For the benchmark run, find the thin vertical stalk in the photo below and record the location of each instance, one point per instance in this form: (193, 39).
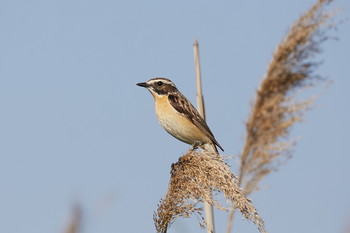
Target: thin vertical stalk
(230, 220)
(208, 208)
(200, 99)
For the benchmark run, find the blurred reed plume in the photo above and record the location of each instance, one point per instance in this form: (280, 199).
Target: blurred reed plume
(275, 110)
(74, 224)
(199, 177)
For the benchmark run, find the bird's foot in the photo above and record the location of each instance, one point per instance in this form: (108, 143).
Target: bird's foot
(196, 145)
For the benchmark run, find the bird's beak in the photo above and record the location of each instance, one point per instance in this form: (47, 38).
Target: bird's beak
(142, 85)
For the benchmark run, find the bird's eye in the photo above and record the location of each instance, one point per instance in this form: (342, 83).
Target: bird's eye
(160, 83)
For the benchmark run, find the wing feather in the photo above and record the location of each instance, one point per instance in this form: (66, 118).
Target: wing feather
(183, 106)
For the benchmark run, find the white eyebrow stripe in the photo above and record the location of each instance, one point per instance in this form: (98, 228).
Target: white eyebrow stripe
(162, 80)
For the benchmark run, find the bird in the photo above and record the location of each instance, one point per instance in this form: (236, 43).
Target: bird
(179, 117)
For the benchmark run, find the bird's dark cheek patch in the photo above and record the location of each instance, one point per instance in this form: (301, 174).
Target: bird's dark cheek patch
(160, 92)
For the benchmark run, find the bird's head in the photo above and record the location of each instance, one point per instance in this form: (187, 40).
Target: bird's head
(159, 86)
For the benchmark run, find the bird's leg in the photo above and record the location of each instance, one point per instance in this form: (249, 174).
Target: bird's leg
(196, 145)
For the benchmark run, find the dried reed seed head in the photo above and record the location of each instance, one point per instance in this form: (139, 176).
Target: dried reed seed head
(199, 177)
(275, 111)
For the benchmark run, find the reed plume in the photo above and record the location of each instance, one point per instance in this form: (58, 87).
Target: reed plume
(74, 224)
(275, 109)
(199, 177)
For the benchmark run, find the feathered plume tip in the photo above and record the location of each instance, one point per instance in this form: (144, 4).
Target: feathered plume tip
(199, 177)
(274, 110)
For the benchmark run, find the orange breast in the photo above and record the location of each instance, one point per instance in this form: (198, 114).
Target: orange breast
(176, 124)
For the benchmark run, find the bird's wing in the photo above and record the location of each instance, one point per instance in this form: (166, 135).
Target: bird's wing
(183, 106)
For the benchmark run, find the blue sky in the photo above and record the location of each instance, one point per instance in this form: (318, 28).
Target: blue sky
(74, 127)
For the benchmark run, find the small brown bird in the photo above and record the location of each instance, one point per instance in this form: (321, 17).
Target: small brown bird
(178, 116)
